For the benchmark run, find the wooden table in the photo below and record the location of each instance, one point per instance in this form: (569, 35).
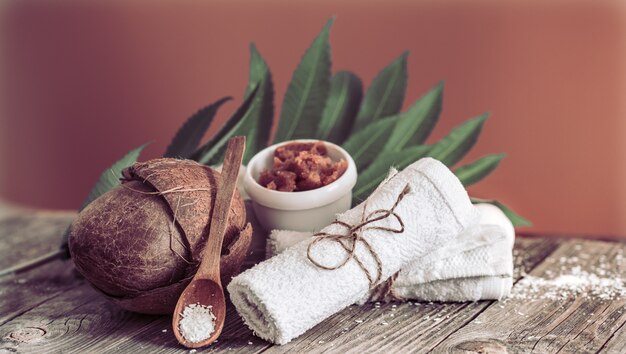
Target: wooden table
(51, 309)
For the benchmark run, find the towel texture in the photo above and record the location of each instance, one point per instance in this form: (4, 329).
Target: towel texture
(283, 297)
(478, 265)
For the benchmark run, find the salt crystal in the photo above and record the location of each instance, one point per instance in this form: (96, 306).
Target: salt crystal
(358, 321)
(197, 323)
(385, 324)
(600, 281)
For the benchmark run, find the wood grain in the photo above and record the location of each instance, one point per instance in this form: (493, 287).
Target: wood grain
(581, 324)
(418, 326)
(52, 310)
(27, 235)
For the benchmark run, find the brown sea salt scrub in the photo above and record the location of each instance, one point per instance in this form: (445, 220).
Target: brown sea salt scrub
(301, 167)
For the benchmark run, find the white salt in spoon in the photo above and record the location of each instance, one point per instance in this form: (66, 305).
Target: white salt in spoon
(205, 290)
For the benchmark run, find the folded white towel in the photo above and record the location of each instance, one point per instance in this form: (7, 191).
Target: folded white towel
(281, 298)
(478, 265)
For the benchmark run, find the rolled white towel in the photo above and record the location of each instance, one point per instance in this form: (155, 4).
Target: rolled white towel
(478, 265)
(281, 298)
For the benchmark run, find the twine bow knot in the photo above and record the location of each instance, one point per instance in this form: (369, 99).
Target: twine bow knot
(354, 235)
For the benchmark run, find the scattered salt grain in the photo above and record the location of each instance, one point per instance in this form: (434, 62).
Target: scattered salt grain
(358, 321)
(192, 351)
(164, 331)
(385, 324)
(249, 343)
(599, 282)
(197, 323)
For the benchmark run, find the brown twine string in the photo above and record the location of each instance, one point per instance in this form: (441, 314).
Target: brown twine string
(384, 291)
(179, 189)
(354, 234)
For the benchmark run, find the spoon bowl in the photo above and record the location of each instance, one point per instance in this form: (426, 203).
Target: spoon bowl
(198, 292)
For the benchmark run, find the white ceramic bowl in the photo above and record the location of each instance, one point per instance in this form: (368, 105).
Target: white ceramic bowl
(299, 211)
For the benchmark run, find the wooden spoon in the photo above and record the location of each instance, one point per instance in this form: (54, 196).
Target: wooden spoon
(205, 287)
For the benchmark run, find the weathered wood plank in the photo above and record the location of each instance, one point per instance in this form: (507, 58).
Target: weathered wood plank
(62, 313)
(545, 321)
(52, 309)
(418, 327)
(28, 235)
(81, 319)
(24, 236)
(616, 343)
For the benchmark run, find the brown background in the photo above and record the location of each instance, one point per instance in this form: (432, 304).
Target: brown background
(81, 83)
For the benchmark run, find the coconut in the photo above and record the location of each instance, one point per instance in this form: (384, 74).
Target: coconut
(140, 243)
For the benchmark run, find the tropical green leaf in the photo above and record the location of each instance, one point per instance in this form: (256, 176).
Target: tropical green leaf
(212, 152)
(307, 92)
(111, 176)
(385, 95)
(365, 145)
(376, 172)
(515, 218)
(258, 119)
(344, 98)
(418, 121)
(454, 146)
(189, 135)
(479, 169)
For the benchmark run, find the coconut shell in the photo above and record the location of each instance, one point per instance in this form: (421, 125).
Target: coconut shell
(140, 243)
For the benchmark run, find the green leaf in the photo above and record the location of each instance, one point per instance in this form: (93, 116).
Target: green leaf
(376, 172)
(454, 146)
(307, 92)
(385, 95)
(344, 98)
(258, 119)
(189, 135)
(418, 121)
(479, 169)
(212, 152)
(111, 177)
(365, 145)
(515, 218)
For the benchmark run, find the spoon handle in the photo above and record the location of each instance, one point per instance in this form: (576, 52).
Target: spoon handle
(210, 265)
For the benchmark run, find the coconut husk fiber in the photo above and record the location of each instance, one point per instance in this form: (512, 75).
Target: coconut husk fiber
(140, 243)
